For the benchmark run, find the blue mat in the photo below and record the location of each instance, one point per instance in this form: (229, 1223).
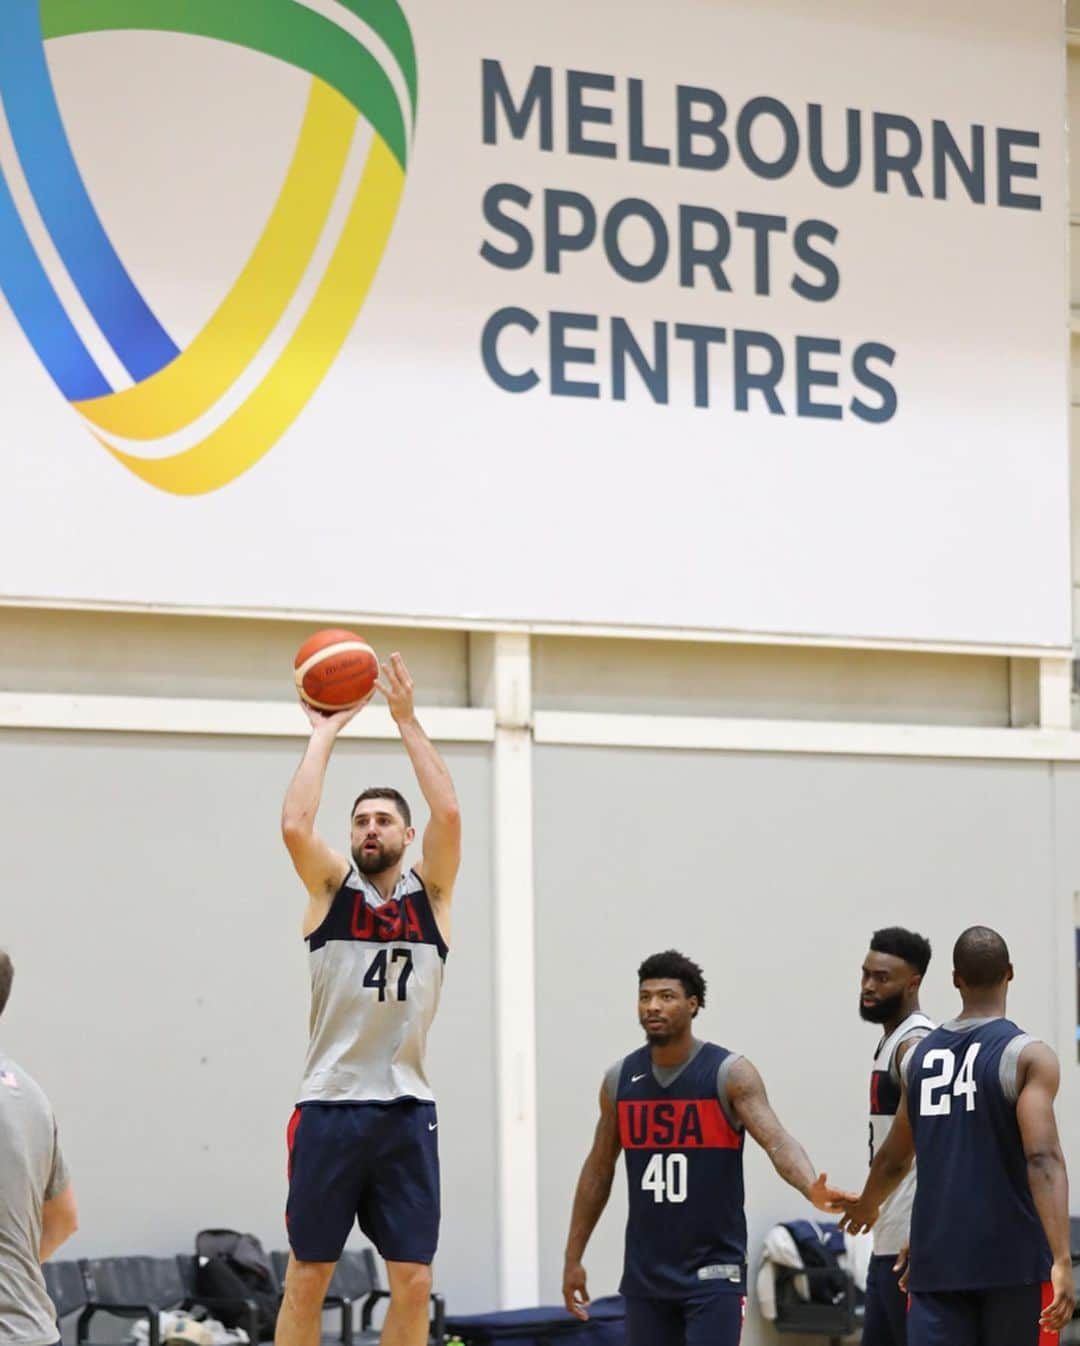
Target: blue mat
(542, 1326)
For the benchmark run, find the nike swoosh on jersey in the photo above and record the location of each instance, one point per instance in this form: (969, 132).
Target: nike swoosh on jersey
(634, 1078)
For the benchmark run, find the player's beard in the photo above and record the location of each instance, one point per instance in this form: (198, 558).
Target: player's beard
(377, 861)
(883, 1011)
(657, 1037)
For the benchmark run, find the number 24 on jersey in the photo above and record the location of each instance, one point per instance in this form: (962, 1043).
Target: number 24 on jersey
(939, 1090)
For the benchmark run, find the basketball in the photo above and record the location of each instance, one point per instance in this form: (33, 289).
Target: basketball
(335, 670)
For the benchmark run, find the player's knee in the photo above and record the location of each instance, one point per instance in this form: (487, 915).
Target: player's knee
(410, 1285)
(306, 1282)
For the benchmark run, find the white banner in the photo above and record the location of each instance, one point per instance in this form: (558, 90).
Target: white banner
(727, 316)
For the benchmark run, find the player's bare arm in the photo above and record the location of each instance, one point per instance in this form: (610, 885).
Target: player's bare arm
(321, 869)
(590, 1198)
(887, 1172)
(59, 1220)
(1038, 1078)
(750, 1102)
(442, 836)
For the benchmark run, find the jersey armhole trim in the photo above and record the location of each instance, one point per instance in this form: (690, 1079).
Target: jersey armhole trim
(913, 1035)
(723, 1070)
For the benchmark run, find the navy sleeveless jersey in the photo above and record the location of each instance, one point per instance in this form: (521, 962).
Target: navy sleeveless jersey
(686, 1231)
(974, 1224)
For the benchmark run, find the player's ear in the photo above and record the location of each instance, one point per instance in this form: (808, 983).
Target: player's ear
(410, 835)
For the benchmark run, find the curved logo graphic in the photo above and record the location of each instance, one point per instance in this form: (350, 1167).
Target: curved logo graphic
(208, 392)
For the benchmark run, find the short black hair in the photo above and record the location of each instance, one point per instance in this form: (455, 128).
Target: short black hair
(7, 976)
(674, 966)
(906, 944)
(981, 957)
(385, 792)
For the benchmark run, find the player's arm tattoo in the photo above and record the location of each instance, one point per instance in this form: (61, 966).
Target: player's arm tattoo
(747, 1096)
(594, 1184)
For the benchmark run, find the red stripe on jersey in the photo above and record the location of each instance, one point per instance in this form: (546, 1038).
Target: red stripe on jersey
(1046, 1337)
(677, 1123)
(290, 1137)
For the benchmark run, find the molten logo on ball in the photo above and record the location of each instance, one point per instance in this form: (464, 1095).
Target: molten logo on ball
(176, 390)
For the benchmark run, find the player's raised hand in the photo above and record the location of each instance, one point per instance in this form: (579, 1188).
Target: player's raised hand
(396, 685)
(1060, 1309)
(327, 722)
(574, 1291)
(826, 1198)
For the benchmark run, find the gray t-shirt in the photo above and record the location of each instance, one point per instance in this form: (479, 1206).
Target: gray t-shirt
(32, 1171)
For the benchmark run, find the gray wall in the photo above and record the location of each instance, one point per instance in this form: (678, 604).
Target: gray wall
(773, 871)
(161, 982)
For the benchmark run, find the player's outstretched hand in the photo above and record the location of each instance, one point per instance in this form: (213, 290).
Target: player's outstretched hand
(1060, 1309)
(396, 685)
(574, 1291)
(827, 1198)
(859, 1216)
(327, 722)
(903, 1266)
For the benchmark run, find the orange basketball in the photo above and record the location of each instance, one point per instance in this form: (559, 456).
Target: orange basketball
(335, 670)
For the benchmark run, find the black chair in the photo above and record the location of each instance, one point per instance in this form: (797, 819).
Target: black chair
(67, 1290)
(130, 1287)
(143, 1287)
(355, 1281)
(797, 1315)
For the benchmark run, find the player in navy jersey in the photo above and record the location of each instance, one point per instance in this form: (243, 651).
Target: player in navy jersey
(989, 1260)
(363, 1138)
(892, 973)
(678, 1109)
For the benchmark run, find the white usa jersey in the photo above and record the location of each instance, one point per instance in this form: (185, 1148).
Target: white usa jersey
(894, 1221)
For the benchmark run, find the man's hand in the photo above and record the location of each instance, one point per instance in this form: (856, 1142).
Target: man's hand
(859, 1216)
(903, 1266)
(826, 1198)
(326, 722)
(1061, 1307)
(398, 688)
(574, 1291)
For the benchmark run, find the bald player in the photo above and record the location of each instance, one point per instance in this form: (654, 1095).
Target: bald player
(363, 1138)
(989, 1262)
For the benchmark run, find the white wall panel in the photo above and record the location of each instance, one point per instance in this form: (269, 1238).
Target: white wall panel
(161, 982)
(772, 871)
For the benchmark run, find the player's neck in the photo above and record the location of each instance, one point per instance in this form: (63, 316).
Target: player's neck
(891, 1025)
(673, 1053)
(982, 1007)
(387, 880)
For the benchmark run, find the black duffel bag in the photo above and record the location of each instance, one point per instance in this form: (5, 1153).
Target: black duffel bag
(230, 1266)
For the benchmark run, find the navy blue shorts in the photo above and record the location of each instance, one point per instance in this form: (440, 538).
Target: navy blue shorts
(1008, 1316)
(885, 1320)
(702, 1320)
(375, 1163)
